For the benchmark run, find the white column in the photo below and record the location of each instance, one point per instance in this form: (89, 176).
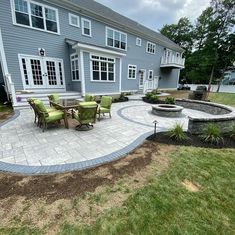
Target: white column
(82, 73)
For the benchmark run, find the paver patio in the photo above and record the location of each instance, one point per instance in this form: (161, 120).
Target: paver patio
(26, 149)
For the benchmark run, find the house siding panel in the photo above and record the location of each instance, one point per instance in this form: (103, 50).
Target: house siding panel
(100, 87)
(20, 40)
(169, 78)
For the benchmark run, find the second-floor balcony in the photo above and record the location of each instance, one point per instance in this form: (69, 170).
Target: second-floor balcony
(172, 61)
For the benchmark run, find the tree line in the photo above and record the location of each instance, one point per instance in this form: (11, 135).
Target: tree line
(209, 43)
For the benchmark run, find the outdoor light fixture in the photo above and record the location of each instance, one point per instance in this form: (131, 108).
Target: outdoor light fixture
(41, 51)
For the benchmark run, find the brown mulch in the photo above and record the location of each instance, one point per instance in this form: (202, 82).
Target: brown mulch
(5, 115)
(68, 185)
(193, 140)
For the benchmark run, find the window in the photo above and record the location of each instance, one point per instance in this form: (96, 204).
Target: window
(116, 39)
(34, 15)
(138, 42)
(151, 48)
(74, 67)
(103, 68)
(132, 71)
(150, 75)
(74, 20)
(86, 27)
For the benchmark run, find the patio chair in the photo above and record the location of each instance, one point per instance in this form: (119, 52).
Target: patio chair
(105, 106)
(54, 98)
(32, 106)
(85, 115)
(46, 117)
(88, 98)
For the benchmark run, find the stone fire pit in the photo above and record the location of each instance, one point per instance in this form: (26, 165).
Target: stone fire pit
(167, 110)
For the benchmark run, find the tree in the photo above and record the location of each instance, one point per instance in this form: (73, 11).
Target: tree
(180, 33)
(209, 44)
(219, 29)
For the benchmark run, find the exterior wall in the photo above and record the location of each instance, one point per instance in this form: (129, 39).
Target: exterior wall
(97, 87)
(169, 78)
(21, 40)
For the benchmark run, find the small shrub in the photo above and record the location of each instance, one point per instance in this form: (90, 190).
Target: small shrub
(232, 132)
(148, 95)
(170, 100)
(155, 92)
(212, 134)
(177, 132)
(154, 98)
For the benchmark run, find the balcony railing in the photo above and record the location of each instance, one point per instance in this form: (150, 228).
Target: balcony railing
(172, 62)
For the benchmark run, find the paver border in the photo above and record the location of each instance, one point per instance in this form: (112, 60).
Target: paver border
(53, 169)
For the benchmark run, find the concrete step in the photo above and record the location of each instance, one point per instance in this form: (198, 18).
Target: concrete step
(22, 104)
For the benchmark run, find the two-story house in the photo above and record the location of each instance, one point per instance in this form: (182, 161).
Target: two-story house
(81, 46)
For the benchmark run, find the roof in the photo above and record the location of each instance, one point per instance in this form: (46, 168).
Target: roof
(112, 16)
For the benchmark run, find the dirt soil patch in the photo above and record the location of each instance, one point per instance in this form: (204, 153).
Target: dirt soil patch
(68, 185)
(46, 202)
(5, 115)
(192, 140)
(190, 186)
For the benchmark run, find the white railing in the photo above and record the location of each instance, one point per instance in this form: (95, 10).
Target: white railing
(10, 88)
(172, 61)
(150, 85)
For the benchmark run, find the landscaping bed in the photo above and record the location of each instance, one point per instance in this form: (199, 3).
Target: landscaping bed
(193, 140)
(6, 111)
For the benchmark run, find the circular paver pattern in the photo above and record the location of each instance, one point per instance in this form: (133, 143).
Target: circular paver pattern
(26, 149)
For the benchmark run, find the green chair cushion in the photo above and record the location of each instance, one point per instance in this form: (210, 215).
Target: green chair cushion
(88, 98)
(55, 116)
(31, 99)
(50, 109)
(90, 103)
(54, 97)
(104, 110)
(40, 106)
(76, 115)
(86, 114)
(106, 102)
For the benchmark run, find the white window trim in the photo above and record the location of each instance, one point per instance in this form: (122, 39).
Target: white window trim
(70, 21)
(29, 13)
(155, 47)
(132, 68)
(73, 54)
(83, 20)
(138, 40)
(149, 74)
(91, 67)
(106, 38)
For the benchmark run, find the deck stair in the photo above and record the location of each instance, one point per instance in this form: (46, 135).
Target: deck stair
(22, 98)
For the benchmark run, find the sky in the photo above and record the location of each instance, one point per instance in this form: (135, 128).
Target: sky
(156, 13)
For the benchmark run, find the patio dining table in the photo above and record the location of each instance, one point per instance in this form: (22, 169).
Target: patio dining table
(65, 105)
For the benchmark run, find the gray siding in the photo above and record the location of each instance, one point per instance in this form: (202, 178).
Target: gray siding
(169, 78)
(96, 86)
(20, 40)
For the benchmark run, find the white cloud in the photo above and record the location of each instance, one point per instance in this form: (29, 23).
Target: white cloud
(155, 13)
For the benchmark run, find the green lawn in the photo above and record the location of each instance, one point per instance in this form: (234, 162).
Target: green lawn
(166, 206)
(223, 98)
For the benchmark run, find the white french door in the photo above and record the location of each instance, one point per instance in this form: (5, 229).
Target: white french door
(42, 72)
(142, 76)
